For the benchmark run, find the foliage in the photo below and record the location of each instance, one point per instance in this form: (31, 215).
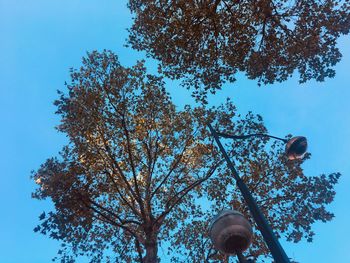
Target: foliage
(138, 174)
(208, 42)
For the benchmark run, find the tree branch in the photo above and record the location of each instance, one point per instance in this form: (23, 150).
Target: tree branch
(112, 222)
(120, 172)
(181, 194)
(138, 248)
(138, 195)
(122, 221)
(115, 163)
(172, 168)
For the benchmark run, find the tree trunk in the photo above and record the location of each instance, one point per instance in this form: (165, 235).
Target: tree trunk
(151, 247)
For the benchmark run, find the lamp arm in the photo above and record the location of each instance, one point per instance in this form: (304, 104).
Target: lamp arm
(239, 137)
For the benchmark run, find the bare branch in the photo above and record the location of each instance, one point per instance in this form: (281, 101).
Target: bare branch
(131, 161)
(181, 194)
(173, 167)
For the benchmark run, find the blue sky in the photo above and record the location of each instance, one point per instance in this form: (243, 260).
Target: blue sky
(41, 40)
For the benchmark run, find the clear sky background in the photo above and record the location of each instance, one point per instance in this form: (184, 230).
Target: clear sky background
(41, 39)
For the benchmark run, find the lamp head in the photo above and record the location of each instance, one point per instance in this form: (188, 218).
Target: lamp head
(230, 232)
(296, 147)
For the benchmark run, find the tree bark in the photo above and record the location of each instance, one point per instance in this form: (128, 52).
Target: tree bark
(151, 247)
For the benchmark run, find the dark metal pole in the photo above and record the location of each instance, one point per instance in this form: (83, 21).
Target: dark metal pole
(276, 249)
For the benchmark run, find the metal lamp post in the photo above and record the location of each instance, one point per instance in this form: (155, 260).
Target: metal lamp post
(295, 148)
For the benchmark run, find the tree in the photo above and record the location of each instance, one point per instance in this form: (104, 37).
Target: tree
(207, 42)
(138, 174)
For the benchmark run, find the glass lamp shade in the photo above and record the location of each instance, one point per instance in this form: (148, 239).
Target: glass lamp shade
(296, 147)
(230, 232)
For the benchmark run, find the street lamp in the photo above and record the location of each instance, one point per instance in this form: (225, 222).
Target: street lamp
(295, 149)
(230, 232)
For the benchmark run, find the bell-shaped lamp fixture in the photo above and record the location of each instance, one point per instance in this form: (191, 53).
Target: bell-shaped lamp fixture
(296, 147)
(230, 232)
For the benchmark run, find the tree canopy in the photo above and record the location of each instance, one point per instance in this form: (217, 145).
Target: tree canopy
(207, 42)
(139, 174)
